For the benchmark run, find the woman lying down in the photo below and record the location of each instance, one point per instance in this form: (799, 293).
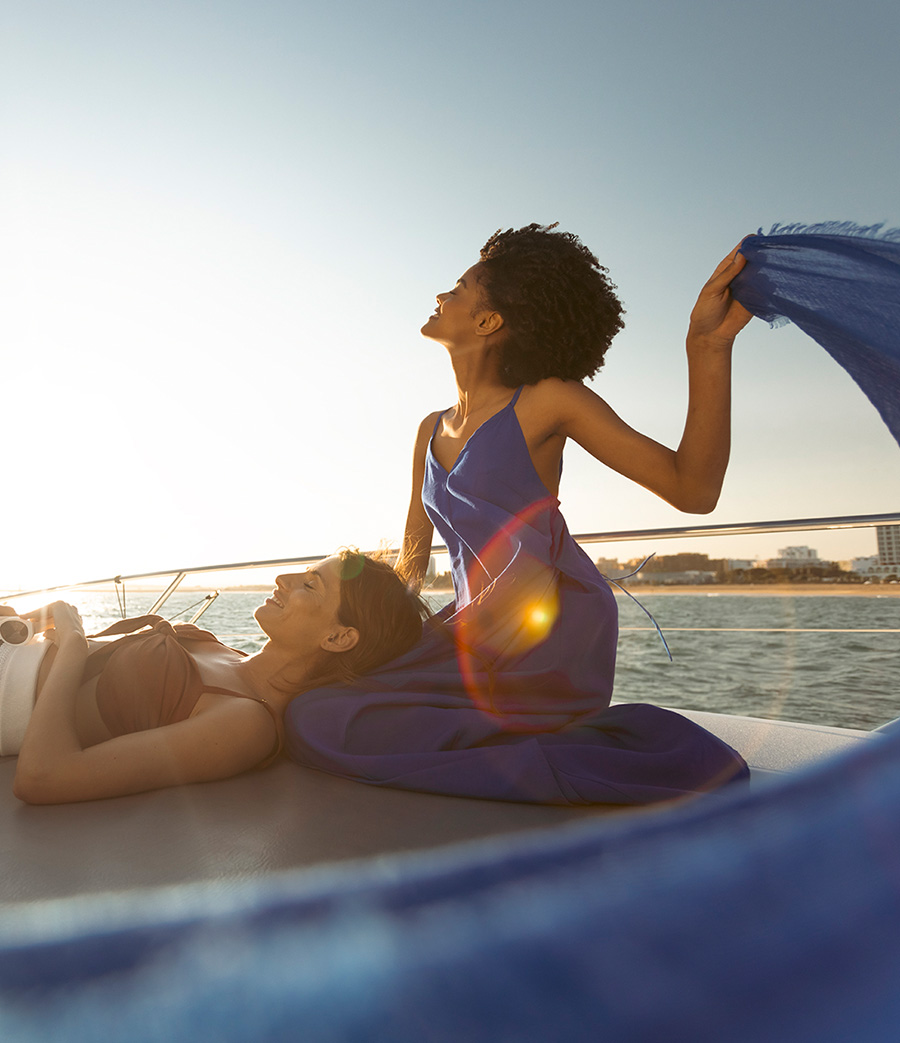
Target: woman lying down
(168, 705)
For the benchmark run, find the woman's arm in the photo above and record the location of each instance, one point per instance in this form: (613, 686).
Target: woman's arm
(415, 550)
(53, 768)
(690, 477)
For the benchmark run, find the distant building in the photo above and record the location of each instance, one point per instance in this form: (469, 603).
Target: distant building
(734, 564)
(864, 566)
(888, 549)
(609, 567)
(795, 558)
(689, 577)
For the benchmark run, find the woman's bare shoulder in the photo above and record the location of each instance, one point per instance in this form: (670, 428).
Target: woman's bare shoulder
(426, 428)
(558, 401)
(557, 389)
(218, 708)
(430, 420)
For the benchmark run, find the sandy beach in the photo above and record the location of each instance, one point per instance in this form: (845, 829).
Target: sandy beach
(869, 590)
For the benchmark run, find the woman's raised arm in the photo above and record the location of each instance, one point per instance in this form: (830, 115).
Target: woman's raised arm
(690, 477)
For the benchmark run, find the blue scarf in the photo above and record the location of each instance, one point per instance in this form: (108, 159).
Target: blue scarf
(840, 283)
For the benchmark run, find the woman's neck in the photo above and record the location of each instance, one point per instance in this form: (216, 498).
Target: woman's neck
(275, 676)
(478, 383)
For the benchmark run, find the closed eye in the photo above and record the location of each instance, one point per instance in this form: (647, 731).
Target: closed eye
(314, 582)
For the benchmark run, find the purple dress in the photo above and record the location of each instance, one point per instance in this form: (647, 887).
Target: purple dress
(507, 695)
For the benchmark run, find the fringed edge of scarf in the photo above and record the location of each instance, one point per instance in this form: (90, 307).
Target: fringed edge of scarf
(848, 228)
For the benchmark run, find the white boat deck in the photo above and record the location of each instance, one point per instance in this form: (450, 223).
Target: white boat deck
(776, 748)
(289, 817)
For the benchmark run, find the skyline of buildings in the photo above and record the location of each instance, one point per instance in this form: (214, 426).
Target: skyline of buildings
(688, 568)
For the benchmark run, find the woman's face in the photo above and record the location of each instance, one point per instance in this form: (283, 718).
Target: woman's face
(302, 611)
(457, 313)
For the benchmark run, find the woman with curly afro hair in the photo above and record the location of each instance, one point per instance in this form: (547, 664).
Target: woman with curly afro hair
(524, 327)
(507, 695)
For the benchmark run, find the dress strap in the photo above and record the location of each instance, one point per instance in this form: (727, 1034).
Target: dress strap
(439, 419)
(273, 713)
(509, 405)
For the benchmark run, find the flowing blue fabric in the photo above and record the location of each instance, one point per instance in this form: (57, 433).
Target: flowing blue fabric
(507, 695)
(770, 914)
(840, 283)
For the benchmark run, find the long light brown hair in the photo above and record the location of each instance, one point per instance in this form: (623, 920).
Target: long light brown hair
(383, 609)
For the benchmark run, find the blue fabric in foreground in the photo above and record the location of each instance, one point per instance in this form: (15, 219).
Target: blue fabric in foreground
(769, 914)
(840, 283)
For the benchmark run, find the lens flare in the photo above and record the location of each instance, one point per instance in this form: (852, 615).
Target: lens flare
(539, 619)
(499, 627)
(513, 608)
(352, 563)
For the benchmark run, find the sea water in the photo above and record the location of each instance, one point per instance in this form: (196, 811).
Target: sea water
(830, 660)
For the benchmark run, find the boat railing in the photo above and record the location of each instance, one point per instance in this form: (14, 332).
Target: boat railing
(177, 576)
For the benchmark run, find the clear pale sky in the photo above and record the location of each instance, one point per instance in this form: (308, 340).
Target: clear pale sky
(224, 223)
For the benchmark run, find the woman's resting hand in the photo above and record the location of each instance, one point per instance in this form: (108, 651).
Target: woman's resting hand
(60, 623)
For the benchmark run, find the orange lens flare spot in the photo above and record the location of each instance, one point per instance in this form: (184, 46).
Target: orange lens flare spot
(539, 619)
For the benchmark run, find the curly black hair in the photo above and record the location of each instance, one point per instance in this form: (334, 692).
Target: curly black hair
(559, 308)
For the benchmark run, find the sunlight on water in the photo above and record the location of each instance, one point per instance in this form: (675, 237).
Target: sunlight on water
(835, 678)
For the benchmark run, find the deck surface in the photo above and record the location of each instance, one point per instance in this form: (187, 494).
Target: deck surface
(290, 817)
(283, 818)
